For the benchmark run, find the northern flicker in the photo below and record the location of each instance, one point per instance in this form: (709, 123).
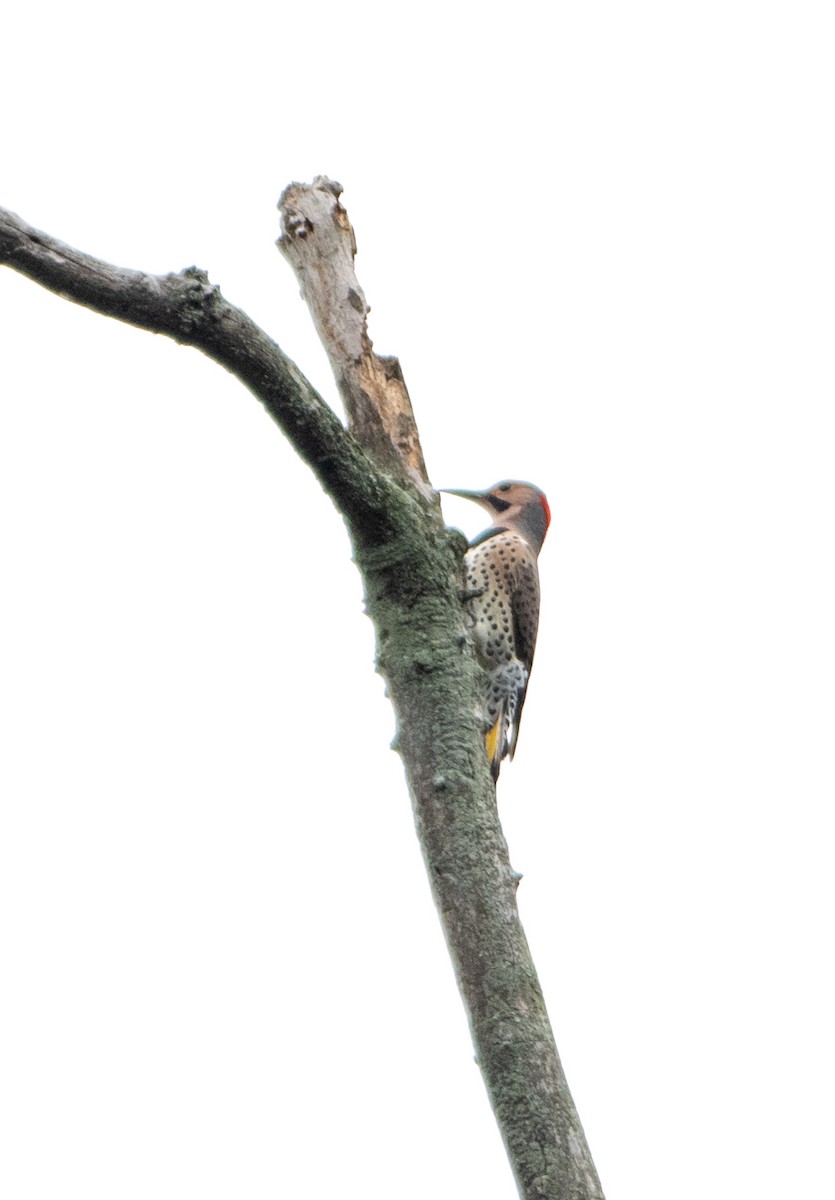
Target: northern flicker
(502, 594)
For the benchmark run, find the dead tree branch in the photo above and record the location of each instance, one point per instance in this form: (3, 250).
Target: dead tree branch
(318, 241)
(411, 567)
(189, 309)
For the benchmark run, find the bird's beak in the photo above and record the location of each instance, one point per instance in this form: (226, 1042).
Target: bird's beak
(477, 496)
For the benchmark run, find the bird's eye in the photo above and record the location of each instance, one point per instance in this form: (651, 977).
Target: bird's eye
(505, 487)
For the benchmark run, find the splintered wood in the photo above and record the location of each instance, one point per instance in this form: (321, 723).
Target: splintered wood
(318, 241)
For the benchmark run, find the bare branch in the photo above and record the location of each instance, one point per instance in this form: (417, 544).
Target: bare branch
(188, 308)
(318, 241)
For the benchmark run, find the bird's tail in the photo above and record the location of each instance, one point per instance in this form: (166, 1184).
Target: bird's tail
(506, 693)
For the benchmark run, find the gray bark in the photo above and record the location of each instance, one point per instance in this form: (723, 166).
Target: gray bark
(411, 567)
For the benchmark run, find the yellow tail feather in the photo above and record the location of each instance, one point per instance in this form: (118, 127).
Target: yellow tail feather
(493, 743)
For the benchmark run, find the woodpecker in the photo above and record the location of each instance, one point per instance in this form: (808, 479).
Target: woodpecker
(502, 596)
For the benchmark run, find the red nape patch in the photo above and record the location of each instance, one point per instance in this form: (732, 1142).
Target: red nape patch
(546, 510)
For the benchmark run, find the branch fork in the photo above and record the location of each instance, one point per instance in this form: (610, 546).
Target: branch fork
(412, 568)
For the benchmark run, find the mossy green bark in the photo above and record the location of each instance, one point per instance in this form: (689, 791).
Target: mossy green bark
(413, 590)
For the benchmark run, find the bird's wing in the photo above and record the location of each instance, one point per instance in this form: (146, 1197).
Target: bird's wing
(525, 607)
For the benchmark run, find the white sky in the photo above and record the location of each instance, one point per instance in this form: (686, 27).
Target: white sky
(600, 237)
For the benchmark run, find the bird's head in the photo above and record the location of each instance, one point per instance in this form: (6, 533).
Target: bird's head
(514, 505)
